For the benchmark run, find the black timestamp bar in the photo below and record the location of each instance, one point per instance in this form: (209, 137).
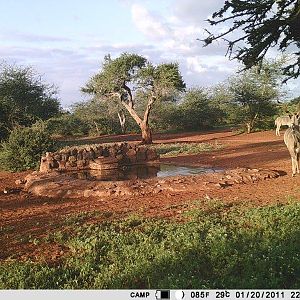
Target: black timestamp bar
(260, 295)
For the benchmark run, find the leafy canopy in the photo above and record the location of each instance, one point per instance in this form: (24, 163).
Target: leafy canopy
(131, 72)
(265, 24)
(24, 148)
(254, 93)
(24, 98)
(130, 78)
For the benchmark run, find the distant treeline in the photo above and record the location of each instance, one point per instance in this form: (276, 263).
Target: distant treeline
(31, 114)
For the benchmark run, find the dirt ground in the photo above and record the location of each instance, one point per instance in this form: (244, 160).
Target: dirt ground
(24, 217)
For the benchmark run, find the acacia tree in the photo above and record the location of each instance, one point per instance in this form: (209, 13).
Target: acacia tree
(131, 77)
(24, 98)
(254, 94)
(197, 110)
(264, 24)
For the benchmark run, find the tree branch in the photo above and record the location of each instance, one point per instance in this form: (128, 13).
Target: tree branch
(132, 112)
(128, 90)
(148, 108)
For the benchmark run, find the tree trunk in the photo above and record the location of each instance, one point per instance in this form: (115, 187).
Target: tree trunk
(250, 124)
(122, 120)
(146, 133)
(97, 128)
(143, 123)
(249, 127)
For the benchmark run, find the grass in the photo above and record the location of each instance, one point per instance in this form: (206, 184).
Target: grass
(217, 247)
(174, 149)
(164, 150)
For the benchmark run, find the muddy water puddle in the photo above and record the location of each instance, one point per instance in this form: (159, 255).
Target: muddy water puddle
(142, 172)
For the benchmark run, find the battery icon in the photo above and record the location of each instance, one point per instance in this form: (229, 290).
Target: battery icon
(162, 295)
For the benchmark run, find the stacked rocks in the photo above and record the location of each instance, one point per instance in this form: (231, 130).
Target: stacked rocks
(100, 157)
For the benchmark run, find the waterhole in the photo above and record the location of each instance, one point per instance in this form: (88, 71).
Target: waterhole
(141, 172)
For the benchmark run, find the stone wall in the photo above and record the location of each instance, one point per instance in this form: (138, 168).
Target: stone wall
(102, 157)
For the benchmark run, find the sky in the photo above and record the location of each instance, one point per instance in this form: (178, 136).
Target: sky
(66, 40)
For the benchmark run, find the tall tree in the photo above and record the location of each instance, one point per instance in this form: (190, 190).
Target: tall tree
(131, 77)
(197, 111)
(24, 98)
(264, 24)
(254, 94)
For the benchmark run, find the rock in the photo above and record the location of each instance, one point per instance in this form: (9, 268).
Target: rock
(224, 184)
(92, 154)
(81, 163)
(151, 154)
(79, 155)
(74, 152)
(105, 152)
(141, 155)
(72, 159)
(68, 165)
(20, 181)
(57, 157)
(119, 157)
(54, 164)
(72, 162)
(98, 151)
(104, 163)
(85, 154)
(64, 156)
(112, 151)
(131, 154)
(46, 163)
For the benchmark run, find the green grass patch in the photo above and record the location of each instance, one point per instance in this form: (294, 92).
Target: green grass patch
(174, 149)
(165, 150)
(220, 246)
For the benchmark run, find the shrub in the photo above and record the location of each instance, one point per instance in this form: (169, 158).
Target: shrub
(174, 149)
(24, 148)
(67, 125)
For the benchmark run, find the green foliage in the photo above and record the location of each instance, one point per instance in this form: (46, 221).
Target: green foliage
(265, 24)
(254, 93)
(101, 116)
(134, 69)
(67, 125)
(167, 80)
(296, 101)
(129, 79)
(24, 98)
(218, 247)
(24, 148)
(165, 116)
(197, 111)
(87, 118)
(174, 149)
(289, 107)
(115, 73)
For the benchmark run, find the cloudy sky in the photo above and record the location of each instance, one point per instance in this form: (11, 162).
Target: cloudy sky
(66, 40)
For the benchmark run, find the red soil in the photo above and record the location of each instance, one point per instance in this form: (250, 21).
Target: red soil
(24, 217)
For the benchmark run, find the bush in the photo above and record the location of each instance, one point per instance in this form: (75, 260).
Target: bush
(74, 125)
(174, 149)
(197, 111)
(67, 125)
(24, 148)
(24, 98)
